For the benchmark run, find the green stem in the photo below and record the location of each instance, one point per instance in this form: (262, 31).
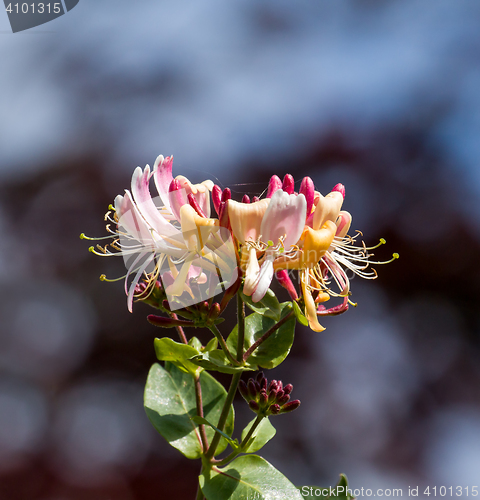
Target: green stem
(223, 345)
(241, 327)
(266, 335)
(245, 440)
(224, 415)
(198, 399)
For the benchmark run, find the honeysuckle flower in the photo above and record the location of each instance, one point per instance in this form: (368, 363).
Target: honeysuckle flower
(324, 252)
(281, 228)
(177, 231)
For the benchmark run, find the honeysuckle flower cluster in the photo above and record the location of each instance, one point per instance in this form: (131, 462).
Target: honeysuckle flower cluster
(174, 239)
(267, 399)
(179, 255)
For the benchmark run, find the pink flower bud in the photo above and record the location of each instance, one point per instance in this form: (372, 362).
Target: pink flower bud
(288, 389)
(274, 185)
(255, 198)
(216, 197)
(246, 198)
(194, 204)
(340, 188)
(284, 279)
(288, 184)
(307, 188)
(226, 195)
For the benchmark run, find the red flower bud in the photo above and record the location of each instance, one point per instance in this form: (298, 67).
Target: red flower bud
(293, 405)
(275, 409)
(167, 322)
(254, 406)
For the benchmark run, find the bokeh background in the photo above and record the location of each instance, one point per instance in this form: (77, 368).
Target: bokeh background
(381, 95)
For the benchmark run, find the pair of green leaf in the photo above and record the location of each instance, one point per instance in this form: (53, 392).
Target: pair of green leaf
(276, 348)
(170, 405)
(270, 307)
(261, 436)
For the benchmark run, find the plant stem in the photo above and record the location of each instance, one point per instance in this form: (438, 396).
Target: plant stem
(266, 335)
(242, 444)
(198, 399)
(241, 327)
(223, 345)
(198, 389)
(224, 415)
(180, 331)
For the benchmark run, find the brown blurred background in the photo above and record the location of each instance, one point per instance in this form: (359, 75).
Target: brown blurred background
(379, 95)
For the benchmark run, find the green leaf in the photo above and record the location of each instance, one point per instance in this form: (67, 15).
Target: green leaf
(212, 345)
(200, 420)
(217, 361)
(268, 306)
(339, 492)
(195, 343)
(262, 435)
(167, 349)
(170, 405)
(276, 348)
(299, 314)
(248, 476)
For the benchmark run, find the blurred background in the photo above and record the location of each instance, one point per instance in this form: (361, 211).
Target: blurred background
(380, 95)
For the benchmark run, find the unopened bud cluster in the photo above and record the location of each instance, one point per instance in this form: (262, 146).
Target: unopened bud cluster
(267, 399)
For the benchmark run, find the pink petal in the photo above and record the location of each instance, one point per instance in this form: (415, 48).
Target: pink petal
(177, 197)
(162, 175)
(343, 224)
(285, 215)
(145, 205)
(265, 277)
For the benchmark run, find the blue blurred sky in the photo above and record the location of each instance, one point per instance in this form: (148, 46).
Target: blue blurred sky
(216, 83)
